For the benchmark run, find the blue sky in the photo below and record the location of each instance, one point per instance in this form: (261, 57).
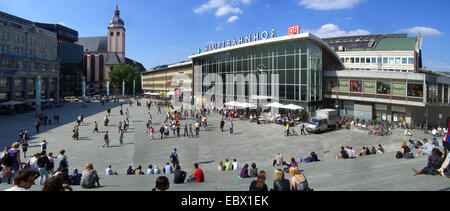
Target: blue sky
(167, 31)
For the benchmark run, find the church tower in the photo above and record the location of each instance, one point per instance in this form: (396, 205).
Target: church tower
(116, 36)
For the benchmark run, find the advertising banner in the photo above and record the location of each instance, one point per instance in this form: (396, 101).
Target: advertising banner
(369, 87)
(344, 85)
(399, 89)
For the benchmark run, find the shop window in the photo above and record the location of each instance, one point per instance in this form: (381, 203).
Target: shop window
(355, 86)
(415, 90)
(352, 60)
(383, 88)
(363, 60)
(367, 60)
(357, 60)
(410, 60)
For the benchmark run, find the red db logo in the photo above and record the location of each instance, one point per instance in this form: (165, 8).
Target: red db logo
(294, 30)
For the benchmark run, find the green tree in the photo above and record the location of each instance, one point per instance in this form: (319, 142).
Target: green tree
(127, 72)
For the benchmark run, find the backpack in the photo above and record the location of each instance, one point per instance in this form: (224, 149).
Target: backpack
(399, 155)
(7, 160)
(63, 164)
(49, 166)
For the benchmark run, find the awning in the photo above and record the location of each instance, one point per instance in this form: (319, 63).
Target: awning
(12, 102)
(246, 105)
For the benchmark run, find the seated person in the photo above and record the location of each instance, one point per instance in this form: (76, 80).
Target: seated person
(253, 171)
(244, 172)
(75, 178)
(179, 175)
(404, 151)
(227, 165)
(278, 160)
(343, 154)
(426, 148)
(435, 161)
(280, 183)
(197, 176)
(89, 177)
(292, 163)
(380, 149)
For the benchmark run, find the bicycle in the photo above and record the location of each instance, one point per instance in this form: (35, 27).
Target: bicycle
(292, 132)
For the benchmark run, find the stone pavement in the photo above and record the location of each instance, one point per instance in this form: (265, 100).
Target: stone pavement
(249, 143)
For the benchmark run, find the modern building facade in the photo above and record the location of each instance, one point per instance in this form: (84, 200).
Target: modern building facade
(102, 53)
(70, 57)
(286, 69)
(167, 79)
(383, 79)
(27, 53)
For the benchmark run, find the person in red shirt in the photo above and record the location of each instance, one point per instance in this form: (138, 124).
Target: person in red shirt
(198, 174)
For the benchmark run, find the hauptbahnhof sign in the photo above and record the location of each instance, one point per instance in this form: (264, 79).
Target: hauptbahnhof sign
(241, 40)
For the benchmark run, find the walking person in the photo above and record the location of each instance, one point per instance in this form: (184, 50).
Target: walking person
(173, 157)
(119, 125)
(231, 126)
(43, 164)
(106, 140)
(37, 125)
(222, 123)
(152, 130)
(185, 131)
(178, 129)
(191, 133)
(25, 148)
(14, 154)
(302, 129)
(121, 137)
(161, 130)
(95, 127)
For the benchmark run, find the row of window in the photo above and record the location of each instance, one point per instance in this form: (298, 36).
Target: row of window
(385, 70)
(19, 82)
(30, 42)
(377, 60)
(4, 49)
(21, 65)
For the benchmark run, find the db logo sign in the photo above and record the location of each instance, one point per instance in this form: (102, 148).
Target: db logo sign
(294, 30)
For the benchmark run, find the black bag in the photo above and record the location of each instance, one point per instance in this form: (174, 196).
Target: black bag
(286, 169)
(7, 160)
(49, 166)
(399, 155)
(409, 155)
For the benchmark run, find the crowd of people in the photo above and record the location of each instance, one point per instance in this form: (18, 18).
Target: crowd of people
(53, 174)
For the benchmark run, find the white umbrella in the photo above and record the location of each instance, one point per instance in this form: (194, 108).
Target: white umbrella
(246, 105)
(275, 105)
(232, 103)
(170, 93)
(294, 107)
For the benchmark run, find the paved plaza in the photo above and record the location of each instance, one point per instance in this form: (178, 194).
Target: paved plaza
(249, 143)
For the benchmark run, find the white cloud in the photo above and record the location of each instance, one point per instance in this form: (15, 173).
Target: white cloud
(232, 19)
(438, 66)
(332, 30)
(426, 31)
(329, 4)
(219, 28)
(222, 7)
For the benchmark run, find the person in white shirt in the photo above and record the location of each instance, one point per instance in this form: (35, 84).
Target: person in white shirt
(235, 165)
(434, 132)
(23, 180)
(426, 148)
(109, 171)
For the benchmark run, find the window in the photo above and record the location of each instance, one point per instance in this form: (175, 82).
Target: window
(383, 88)
(397, 60)
(415, 90)
(352, 60)
(3, 82)
(17, 82)
(367, 60)
(347, 60)
(363, 60)
(374, 60)
(379, 60)
(410, 60)
(357, 60)
(391, 60)
(355, 86)
(112, 34)
(385, 60)
(404, 60)
(118, 33)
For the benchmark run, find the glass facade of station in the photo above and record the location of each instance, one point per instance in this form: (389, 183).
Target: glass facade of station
(253, 70)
